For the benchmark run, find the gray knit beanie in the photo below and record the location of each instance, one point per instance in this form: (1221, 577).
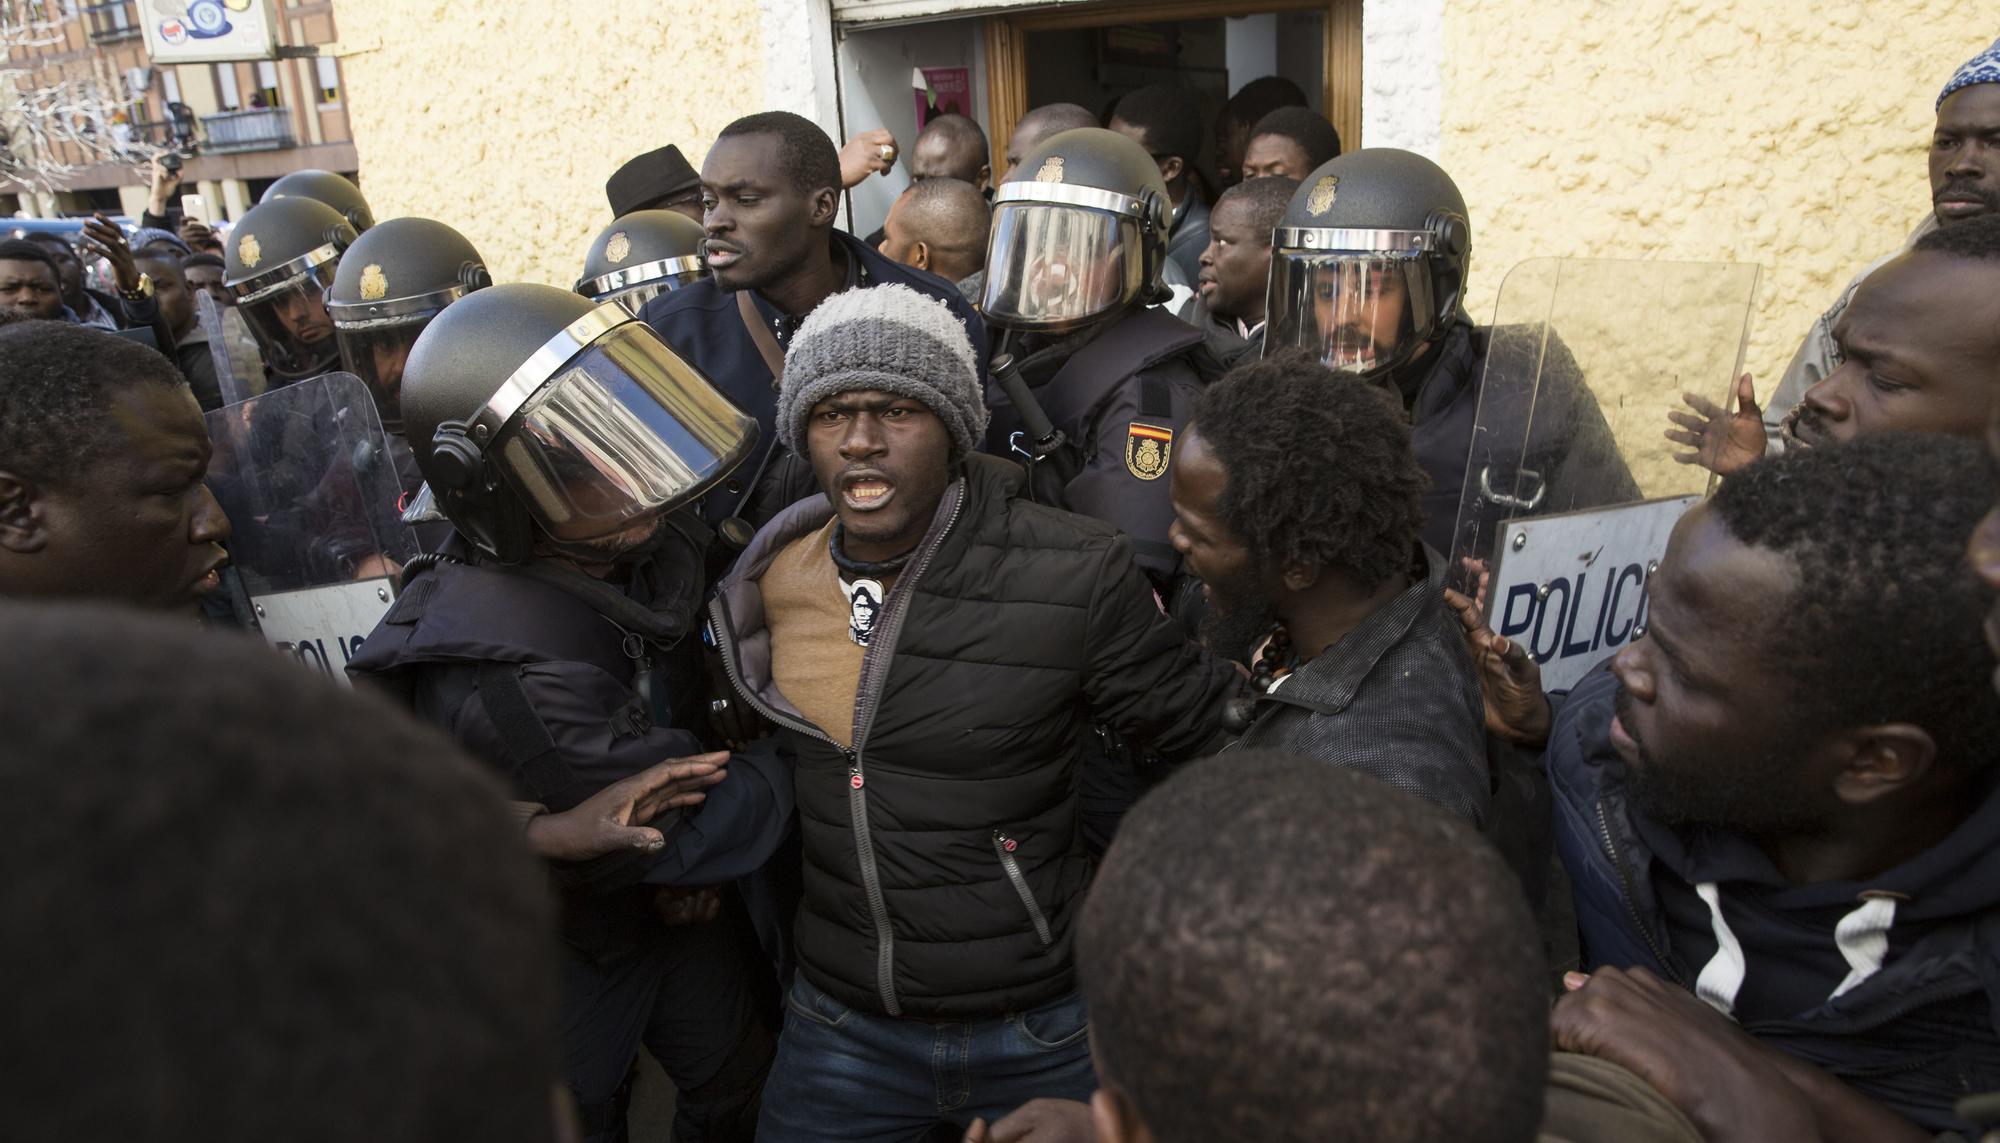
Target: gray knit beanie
(890, 338)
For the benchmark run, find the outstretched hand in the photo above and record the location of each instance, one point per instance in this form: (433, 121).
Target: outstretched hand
(1516, 708)
(1719, 441)
(604, 822)
(102, 237)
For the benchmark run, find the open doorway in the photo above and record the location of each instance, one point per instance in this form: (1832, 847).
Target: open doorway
(1211, 57)
(1093, 53)
(1088, 52)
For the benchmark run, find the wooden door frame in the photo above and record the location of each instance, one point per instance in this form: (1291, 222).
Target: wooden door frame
(1006, 48)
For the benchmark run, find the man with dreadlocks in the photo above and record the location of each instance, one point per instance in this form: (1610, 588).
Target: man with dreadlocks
(1295, 500)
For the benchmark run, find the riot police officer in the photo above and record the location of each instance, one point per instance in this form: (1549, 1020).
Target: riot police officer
(332, 189)
(1368, 272)
(1073, 276)
(279, 260)
(391, 283)
(641, 256)
(564, 441)
(1073, 266)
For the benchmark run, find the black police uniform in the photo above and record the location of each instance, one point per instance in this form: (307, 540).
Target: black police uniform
(704, 325)
(565, 682)
(1122, 395)
(548, 677)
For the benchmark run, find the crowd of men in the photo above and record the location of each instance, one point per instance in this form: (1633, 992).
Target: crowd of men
(1004, 679)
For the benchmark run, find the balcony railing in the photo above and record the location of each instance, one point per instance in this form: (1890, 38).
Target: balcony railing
(110, 23)
(262, 129)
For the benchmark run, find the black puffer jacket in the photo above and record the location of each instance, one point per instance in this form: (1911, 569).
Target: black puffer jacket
(943, 865)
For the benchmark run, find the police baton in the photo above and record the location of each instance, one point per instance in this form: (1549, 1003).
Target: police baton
(1042, 437)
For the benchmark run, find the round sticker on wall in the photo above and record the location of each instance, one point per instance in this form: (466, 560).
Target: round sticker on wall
(173, 32)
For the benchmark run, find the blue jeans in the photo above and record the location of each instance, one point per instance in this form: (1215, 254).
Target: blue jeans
(843, 1074)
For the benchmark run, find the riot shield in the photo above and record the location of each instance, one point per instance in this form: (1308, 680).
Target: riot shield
(307, 478)
(1571, 487)
(239, 372)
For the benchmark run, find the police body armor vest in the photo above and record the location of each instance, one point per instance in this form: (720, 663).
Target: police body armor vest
(1072, 397)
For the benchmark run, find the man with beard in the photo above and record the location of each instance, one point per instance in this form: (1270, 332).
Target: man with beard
(934, 648)
(1237, 266)
(1782, 798)
(1965, 184)
(1368, 274)
(1919, 351)
(1296, 500)
(770, 192)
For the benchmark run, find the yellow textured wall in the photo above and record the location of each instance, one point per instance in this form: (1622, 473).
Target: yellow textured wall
(504, 119)
(1785, 133)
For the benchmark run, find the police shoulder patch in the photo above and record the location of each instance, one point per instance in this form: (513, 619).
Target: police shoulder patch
(1147, 450)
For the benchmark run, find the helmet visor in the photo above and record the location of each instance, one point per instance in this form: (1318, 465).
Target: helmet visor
(625, 432)
(1360, 313)
(1052, 267)
(634, 298)
(376, 351)
(290, 322)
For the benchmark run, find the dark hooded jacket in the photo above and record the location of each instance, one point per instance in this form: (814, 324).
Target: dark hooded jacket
(1888, 984)
(943, 863)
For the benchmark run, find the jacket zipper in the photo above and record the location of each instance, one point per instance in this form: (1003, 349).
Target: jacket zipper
(1631, 910)
(881, 647)
(864, 711)
(722, 641)
(1003, 848)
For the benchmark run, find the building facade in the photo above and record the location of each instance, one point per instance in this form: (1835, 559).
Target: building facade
(1764, 131)
(251, 121)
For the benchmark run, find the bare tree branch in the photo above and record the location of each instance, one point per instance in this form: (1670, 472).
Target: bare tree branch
(54, 122)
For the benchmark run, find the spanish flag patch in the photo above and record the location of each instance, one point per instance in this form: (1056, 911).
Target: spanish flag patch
(1147, 449)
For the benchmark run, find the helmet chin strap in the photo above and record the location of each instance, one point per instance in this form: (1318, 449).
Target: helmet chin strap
(1410, 374)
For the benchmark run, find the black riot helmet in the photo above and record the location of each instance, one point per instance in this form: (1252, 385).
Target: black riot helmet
(531, 409)
(642, 255)
(1079, 232)
(332, 189)
(390, 284)
(278, 262)
(1368, 265)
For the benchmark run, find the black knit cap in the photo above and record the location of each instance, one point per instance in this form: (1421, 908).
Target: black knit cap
(649, 180)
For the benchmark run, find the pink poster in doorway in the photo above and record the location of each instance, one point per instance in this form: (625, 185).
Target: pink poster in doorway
(941, 91)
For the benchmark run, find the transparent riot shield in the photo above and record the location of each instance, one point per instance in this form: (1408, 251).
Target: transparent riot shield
(1571, 486)
(311, 489)
(239, 372)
